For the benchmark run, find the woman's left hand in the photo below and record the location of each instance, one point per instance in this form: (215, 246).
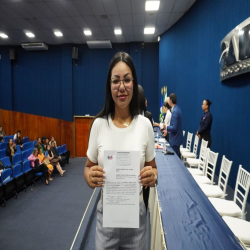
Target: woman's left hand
(147, 176)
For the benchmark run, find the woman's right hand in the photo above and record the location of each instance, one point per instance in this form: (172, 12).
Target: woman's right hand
(96, 176)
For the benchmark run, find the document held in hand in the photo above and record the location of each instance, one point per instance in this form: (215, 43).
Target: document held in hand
(121, 199)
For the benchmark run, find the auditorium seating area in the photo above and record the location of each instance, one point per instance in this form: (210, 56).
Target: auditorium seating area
(19, 174)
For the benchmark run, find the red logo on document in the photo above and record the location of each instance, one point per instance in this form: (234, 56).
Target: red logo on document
(110, 157)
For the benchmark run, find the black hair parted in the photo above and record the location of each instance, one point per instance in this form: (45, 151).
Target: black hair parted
(166, 105)
(109, 105)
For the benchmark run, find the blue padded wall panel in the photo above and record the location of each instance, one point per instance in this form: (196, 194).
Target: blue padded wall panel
(6, 79)
(37, 82)
(189, 65)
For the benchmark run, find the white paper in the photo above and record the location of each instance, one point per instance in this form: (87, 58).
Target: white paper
(121, 189)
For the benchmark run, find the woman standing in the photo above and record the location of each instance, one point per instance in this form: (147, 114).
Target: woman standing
(206, 123)
(119, 127)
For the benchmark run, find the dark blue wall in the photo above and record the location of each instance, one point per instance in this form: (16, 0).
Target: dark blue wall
(189, 65)
(47, 83)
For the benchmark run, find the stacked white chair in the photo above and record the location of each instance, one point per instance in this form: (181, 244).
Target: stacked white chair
(192, 162)
(240, 228)
(230, 208)
(193, 154)
(219, 191)
(210, 169)
(183, 136)
(188, 144)
(202, 163)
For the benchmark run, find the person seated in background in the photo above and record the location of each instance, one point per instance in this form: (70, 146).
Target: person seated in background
(45, 161)
(53, 140)
(56, 154)
(19, 140)
(39, 143)
(166, 120)
(54, 162)
(142, 105)
(44, 145)
(11, 149)
(15, 135)
(2, 133)
(47, 141)
(38, 166)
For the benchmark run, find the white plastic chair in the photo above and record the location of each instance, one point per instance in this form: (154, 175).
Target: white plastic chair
(210, 169)
(181, 146)
(230, 208)
(219, 191)
(188, 144)
(240, 228)
(184, 133)
(202, 163)
(193, 154)
(192, 162)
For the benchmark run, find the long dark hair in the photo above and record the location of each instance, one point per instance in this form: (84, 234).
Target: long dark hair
(142, 99)
(109, 105)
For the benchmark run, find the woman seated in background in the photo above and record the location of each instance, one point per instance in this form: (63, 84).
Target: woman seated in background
(44, 145)
(15, 135)
(55, 162)
(11, 149)
(38, 166)
(45, 161)
(19, 140)
(2, 133)
(53, 140)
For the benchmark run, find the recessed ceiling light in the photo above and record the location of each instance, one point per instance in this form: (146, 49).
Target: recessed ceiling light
(87, 32)
(149, 31)
(58, 33)
(152, 5)
(3, 35)
(29, 34)
(118, 32)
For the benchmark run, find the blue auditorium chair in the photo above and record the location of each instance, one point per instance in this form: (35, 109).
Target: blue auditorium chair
(2, 153)
(25, 155)
(26, 146)
(64, 148)
(31, 144)
(11, 137)
(8, 184)
(30, 151)
(3, 145)
(18, 177)
(18, 149)
(6, 138)
(25, 139)
(28, 173)
(59, 149)
(34, 143)
(17, 158)
(6, 162)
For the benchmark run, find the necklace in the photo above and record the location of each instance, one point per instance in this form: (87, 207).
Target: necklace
(126, 124)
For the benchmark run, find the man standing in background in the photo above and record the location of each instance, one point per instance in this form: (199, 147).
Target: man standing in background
(175, 128)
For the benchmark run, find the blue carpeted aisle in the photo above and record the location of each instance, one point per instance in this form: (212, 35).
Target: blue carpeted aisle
(48, 216)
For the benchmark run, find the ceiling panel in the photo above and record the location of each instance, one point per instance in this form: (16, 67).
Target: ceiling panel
(127, 20)
(91, 22)
(72, 17)
(163, 18)
(75, 40)
(138, 19)
(138, 6)
(83, 7)
(124, 6)
(115, 21)
(166, 6)
(181, 5)
(70, 7)
(110, 7)
(150, 19)
(97, 7)
(46, 11)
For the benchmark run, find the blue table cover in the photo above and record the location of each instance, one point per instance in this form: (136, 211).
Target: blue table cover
(190, 222)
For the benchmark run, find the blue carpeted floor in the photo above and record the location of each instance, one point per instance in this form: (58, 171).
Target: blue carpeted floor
(48, 216)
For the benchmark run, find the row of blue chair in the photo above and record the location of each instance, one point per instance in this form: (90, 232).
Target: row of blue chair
(7, 137)
(26, 145)
(16, 179)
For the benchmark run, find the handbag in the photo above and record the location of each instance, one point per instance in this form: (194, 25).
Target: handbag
(54, 161)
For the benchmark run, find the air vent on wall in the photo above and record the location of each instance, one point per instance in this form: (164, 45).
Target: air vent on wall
(35, 46)
(99, 44)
